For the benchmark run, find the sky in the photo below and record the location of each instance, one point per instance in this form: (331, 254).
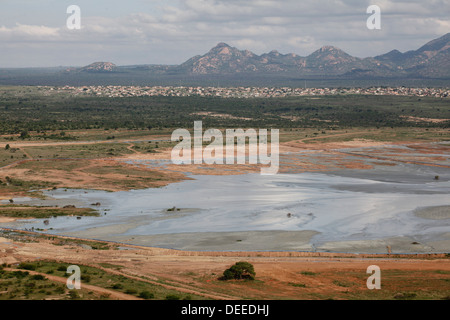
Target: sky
(34, 33)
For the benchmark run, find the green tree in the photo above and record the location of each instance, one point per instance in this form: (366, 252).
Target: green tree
(240, 270)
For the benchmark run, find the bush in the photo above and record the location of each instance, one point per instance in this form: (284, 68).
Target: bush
(131, 291)
(60, 289)
(146, 295)
(62, 268)
(117, 286)
(20, 274)
(38, 277)
(172, 297)
(299, 285)
(27, 266)
(73, 294)
(85, 278)
(240, 270)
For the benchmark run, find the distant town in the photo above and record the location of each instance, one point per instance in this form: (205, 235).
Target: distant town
(244, 92)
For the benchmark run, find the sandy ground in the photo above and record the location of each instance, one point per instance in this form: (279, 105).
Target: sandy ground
(214, 241)
(197, 272)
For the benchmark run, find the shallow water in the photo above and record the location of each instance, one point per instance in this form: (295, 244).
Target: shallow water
(353, 205)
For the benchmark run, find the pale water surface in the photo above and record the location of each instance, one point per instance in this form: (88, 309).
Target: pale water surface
(358, 205)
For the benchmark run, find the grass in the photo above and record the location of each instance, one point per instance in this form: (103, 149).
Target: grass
(152, 146)
(11, 155)
(21, 285)
(349, 285)
(376, 134)
(397, 284)
(12, 185)
(94, 245)
(110, 135)
(21, 211)
(79, 151)
(89, 275)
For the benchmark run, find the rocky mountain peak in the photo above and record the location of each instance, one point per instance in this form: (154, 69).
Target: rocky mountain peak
(99, 67)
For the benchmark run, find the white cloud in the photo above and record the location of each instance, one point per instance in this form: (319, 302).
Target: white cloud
(29, 32)
(180, 29)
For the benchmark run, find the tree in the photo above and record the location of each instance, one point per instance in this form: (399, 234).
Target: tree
(240, 270)
(7, 147)
(24, 135)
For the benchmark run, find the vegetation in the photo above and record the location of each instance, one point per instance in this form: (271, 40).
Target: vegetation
(22, 211)
(15, 184)
(27, 114)
(79, 151)
(299, 285)
(19, 284)
(239, 271)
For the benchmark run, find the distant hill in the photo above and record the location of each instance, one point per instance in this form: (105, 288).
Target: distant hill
(226, 65)
(431, 60)
(98, 67)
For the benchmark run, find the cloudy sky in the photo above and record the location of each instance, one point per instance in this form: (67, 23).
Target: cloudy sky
(33, 33)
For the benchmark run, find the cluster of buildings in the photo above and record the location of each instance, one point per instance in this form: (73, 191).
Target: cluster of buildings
(245, 92)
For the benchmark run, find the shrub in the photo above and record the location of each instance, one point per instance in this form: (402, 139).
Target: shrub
(60, 290)
(73, 294)
(85, 278)
(131, 291)
(299, 285)
(117, 286)
(62, 268)
(308, 273)
(27, 266)
(405, 295)
(146, 295)
(20, 274)
(240, 270)
(172, 297)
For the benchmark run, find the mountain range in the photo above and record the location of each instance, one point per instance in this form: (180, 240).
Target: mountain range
(432, 61)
